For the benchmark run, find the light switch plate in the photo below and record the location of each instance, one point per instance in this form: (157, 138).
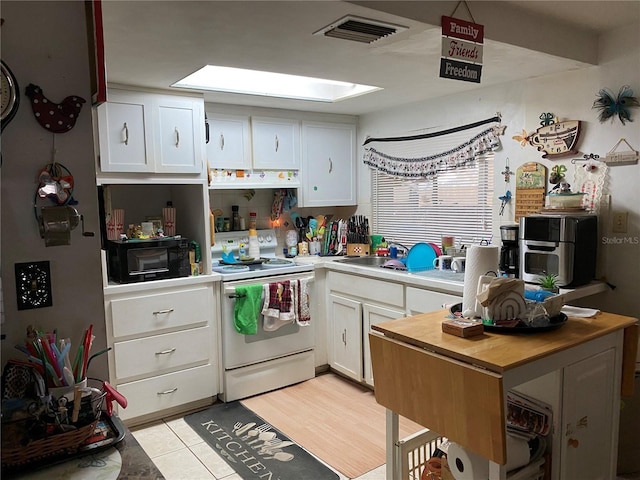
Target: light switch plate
(619, 223)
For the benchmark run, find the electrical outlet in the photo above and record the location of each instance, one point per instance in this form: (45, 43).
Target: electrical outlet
(620, 222)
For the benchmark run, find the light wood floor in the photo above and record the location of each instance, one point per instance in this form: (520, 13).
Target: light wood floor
(337, 420)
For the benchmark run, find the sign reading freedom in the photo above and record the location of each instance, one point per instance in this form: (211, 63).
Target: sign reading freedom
(455, 70)
(461, 40)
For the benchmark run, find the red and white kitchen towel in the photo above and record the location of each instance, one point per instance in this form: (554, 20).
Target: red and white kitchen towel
(284, 303)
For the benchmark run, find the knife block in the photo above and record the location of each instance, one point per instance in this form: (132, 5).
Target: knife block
(358, 249)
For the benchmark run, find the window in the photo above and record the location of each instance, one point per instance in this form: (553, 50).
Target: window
(457, 202)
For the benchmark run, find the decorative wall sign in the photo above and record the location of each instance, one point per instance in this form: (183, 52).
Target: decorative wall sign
(622, 158)
(609, 105)
(531, 181)
(33, 285)
(590, 178)
(462, 44)
(56, 118)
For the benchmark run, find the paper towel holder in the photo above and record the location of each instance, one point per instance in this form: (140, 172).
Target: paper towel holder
(56, 222)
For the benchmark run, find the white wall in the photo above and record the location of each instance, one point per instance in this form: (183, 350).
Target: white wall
(569, 96)
(45, 43)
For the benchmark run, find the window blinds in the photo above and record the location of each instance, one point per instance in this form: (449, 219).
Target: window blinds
(458, 202)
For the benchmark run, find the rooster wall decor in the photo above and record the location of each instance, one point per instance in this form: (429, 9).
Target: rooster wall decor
(610, 105)
(54, 117)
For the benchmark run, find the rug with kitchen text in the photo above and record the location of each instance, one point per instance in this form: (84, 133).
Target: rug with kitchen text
(254, 448)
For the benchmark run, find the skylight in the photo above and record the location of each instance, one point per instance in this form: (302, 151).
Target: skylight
(254, 82)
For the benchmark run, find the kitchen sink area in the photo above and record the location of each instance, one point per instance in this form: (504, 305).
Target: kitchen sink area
(373, 265)
(372, 261)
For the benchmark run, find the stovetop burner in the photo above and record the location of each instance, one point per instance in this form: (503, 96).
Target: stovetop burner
(267, 265)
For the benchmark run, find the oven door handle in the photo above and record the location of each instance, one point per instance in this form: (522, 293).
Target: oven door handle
(230, 292)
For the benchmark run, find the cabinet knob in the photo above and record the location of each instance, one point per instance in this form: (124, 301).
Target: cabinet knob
(163, 312)
(126, 134)
(572, 442)
(177, 137)
(330, 165)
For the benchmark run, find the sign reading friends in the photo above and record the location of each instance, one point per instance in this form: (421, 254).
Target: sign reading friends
(462, 44)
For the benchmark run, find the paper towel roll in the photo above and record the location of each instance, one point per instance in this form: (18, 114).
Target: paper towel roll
(480, 260)
(518, 453)
(466, 465)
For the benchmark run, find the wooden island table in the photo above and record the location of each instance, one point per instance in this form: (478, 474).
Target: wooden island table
(457, 386)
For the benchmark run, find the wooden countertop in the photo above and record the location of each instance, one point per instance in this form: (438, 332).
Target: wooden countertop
(499, 352)
(433, 377)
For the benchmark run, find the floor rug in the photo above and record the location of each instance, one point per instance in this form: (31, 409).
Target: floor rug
(335, 419)
(253, 447)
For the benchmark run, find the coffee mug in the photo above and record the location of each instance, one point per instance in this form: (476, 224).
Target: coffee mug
(443, 262)
(458, 264)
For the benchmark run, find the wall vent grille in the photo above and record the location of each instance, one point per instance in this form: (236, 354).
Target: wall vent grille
(359, 29)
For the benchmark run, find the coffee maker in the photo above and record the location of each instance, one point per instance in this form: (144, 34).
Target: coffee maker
(510, 252)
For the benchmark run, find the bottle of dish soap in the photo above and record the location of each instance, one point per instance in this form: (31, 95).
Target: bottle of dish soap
(254, 246)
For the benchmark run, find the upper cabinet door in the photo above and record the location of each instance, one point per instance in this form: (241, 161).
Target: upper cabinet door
(125, 133)
(276, 143)
(229, 142)
(328, 164)
(180, 143)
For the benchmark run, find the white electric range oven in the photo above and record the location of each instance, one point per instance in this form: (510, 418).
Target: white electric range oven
(271, 359)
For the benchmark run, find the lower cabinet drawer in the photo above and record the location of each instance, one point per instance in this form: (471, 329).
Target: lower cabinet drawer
(162, 353)
(169, 309)
(166, 391)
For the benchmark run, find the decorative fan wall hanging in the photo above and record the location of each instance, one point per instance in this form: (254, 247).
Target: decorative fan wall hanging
(610, 106)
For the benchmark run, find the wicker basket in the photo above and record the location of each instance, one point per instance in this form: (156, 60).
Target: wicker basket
(51, 444)
(61, 443)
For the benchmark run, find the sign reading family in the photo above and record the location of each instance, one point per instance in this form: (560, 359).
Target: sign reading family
(461, 50)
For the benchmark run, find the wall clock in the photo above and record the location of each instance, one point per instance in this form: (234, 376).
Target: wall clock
(557, 139)
(10, 95)
(33, 285)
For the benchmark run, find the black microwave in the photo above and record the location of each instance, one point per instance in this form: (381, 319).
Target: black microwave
(143, 260)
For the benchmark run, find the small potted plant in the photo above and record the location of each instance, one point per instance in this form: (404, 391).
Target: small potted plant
(549, 282)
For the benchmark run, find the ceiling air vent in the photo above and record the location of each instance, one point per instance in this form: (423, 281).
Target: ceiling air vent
(359, 29)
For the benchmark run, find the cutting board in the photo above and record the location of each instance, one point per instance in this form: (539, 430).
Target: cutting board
(531, 183)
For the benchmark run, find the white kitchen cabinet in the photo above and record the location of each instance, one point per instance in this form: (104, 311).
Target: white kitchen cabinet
(420, 300)
(125, 133)
(351, 312)
(374, 314)
(346, 336)
(276, 143)
(164, 346)
(229, 141)
(328, 167)
(588, 398)
(142, 132)
(180, 140)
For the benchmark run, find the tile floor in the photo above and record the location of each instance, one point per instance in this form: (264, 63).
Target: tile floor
(181, 454)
